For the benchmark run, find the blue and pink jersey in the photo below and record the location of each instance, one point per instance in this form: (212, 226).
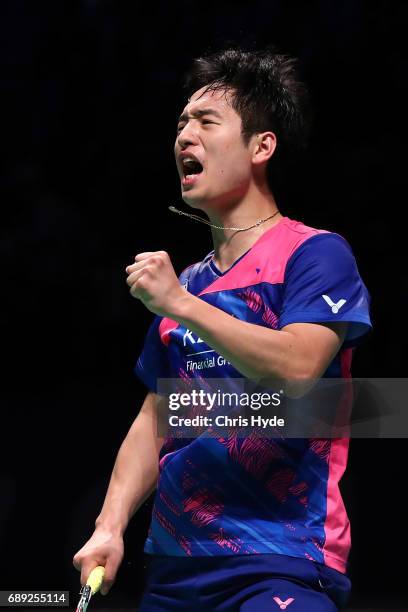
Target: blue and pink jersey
(231, 495)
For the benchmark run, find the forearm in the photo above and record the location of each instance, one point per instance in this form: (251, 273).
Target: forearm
(255, 351)
(135, 473)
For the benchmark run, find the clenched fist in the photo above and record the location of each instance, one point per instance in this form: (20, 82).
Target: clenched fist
(152, 280)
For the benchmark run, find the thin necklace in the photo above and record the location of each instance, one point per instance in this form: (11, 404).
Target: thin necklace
(237, 229)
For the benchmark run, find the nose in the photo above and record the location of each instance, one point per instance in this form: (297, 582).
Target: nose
(186, 136)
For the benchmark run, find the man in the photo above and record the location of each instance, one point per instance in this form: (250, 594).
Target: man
(239, 524)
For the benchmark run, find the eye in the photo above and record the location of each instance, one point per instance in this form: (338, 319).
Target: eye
(181, 126)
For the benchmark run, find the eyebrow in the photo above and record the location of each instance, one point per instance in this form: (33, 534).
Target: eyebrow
(200, 113)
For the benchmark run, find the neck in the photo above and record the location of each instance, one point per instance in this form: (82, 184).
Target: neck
(229, 245)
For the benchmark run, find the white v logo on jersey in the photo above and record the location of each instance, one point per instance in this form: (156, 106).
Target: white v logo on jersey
(283, 604)
(334, 307)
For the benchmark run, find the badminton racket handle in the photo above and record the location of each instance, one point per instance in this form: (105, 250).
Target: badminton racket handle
(95, 578)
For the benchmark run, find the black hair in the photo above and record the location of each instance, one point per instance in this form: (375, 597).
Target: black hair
(266, 92)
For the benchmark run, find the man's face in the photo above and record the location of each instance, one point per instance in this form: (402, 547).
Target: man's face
(209, 132)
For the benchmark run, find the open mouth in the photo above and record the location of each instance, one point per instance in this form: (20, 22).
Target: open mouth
(191, 168)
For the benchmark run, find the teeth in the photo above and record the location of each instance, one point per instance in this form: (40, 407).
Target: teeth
(187, 160)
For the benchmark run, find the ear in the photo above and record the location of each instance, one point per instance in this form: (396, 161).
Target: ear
(263, 147)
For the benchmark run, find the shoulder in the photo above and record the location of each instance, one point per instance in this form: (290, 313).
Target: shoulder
(302, 240)
(321, 254)
(298, 233)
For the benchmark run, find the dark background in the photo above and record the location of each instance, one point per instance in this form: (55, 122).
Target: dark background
(90, 95)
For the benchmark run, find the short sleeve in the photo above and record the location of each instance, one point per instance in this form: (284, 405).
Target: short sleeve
(153, 360)
(322, 285)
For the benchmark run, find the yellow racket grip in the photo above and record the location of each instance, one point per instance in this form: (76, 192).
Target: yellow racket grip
(95, 578)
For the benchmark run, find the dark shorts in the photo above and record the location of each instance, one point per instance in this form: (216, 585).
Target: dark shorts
(245, 583)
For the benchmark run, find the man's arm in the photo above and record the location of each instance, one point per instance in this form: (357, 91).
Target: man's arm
(133, 479)
(135, 471)
(299, 352)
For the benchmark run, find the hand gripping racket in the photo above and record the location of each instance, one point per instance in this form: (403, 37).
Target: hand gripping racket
(93, 584)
